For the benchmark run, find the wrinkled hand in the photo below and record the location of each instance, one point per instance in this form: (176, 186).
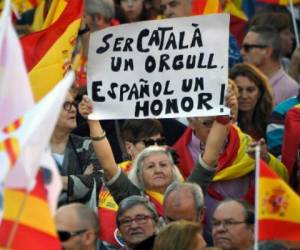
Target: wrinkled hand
(85, 106)
(264, 154)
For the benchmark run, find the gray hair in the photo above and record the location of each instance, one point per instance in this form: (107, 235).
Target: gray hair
(133, 201)
(269, 36)
(105, 8)
(136, 173)
(193, 188)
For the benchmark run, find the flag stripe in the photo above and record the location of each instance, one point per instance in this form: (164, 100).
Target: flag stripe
(277, 201)
(275, 230)
(267, 172)
(35, 45)
(12, 149)
(52, 61)
(27, 238)
(35, 214)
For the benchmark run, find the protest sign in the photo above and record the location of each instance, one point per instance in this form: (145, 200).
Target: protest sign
(160, 69)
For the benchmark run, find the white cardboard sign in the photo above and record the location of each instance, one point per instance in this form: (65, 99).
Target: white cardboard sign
(160, 69)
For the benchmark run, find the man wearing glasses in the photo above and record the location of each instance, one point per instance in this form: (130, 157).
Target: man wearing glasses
(261, 47)
(233, 225)
(137, 220)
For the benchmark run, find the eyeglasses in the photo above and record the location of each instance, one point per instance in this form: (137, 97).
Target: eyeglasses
(65, 235)
(160, 142)
(68, 105)
(226, 223)
(140, 219)
(247, 47)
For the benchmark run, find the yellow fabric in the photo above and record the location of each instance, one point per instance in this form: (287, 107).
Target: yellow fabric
(232, 9)
(105, 198)
(212, 6)
(157, 196)
(56, 8)
(35, 214)
(286, 2)
(54, 63)
(278, 167)
(38, 19)
(277, 201)
(242, 165)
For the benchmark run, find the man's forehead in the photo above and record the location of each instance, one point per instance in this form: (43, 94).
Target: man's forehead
(229, 210)
(251, 36)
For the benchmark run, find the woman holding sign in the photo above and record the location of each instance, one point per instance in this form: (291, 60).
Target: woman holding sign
(153, 169)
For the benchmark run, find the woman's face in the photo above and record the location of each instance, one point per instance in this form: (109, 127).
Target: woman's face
(67, 117)
(132, 9)
(248, 93)
(157, 172)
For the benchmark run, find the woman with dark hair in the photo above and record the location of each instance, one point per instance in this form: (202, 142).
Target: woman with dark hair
(255, 100)
(129, 11)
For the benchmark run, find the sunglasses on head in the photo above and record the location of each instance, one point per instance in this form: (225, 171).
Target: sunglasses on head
(159, 142)
(65, 235)
(247, 47)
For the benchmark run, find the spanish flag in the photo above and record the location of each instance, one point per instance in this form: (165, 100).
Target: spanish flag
(204, 7)
(48, 53)
(279, 2)
(278, 208)
(27, 221)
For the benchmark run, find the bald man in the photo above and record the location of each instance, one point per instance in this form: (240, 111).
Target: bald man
(77, 227)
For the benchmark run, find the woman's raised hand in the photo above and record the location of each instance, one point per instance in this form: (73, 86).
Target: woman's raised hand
(85, 107)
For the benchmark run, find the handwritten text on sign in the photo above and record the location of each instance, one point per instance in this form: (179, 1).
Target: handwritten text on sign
(164, 68)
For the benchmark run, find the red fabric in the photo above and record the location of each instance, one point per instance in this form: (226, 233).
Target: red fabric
(238, 28)
(291, 141)
(186, 163)
(36, 45)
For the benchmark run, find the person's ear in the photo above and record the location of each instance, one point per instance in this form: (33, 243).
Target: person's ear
(129, 147)
(89, 237)
(268, 52)
(201, 214)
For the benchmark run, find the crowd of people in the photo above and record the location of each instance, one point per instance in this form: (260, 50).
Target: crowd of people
(167, 184)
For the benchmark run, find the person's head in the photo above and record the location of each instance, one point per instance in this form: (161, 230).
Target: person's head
(184, 201)
(233, 225)
(255, 95)
(67, 118)
(141, 133)
(154, 169)
(180, 235)
(133, 10)
(77, 227)
(261, 45)
(176, 8)
(201, 126)
(282, 23)
(136, 219)
(271, 245)
(99, 13)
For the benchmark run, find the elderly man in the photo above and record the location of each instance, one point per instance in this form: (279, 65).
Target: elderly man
(137, 220)
(77, 227)
(233, 225)
(261, 47)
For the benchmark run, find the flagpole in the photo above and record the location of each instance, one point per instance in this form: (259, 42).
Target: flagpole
(257, 173)
(294, 22)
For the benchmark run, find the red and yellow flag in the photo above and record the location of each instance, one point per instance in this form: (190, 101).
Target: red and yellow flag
(203, 7)
(35, 226)
(48, 52)
(278, 208)
(280, 2)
